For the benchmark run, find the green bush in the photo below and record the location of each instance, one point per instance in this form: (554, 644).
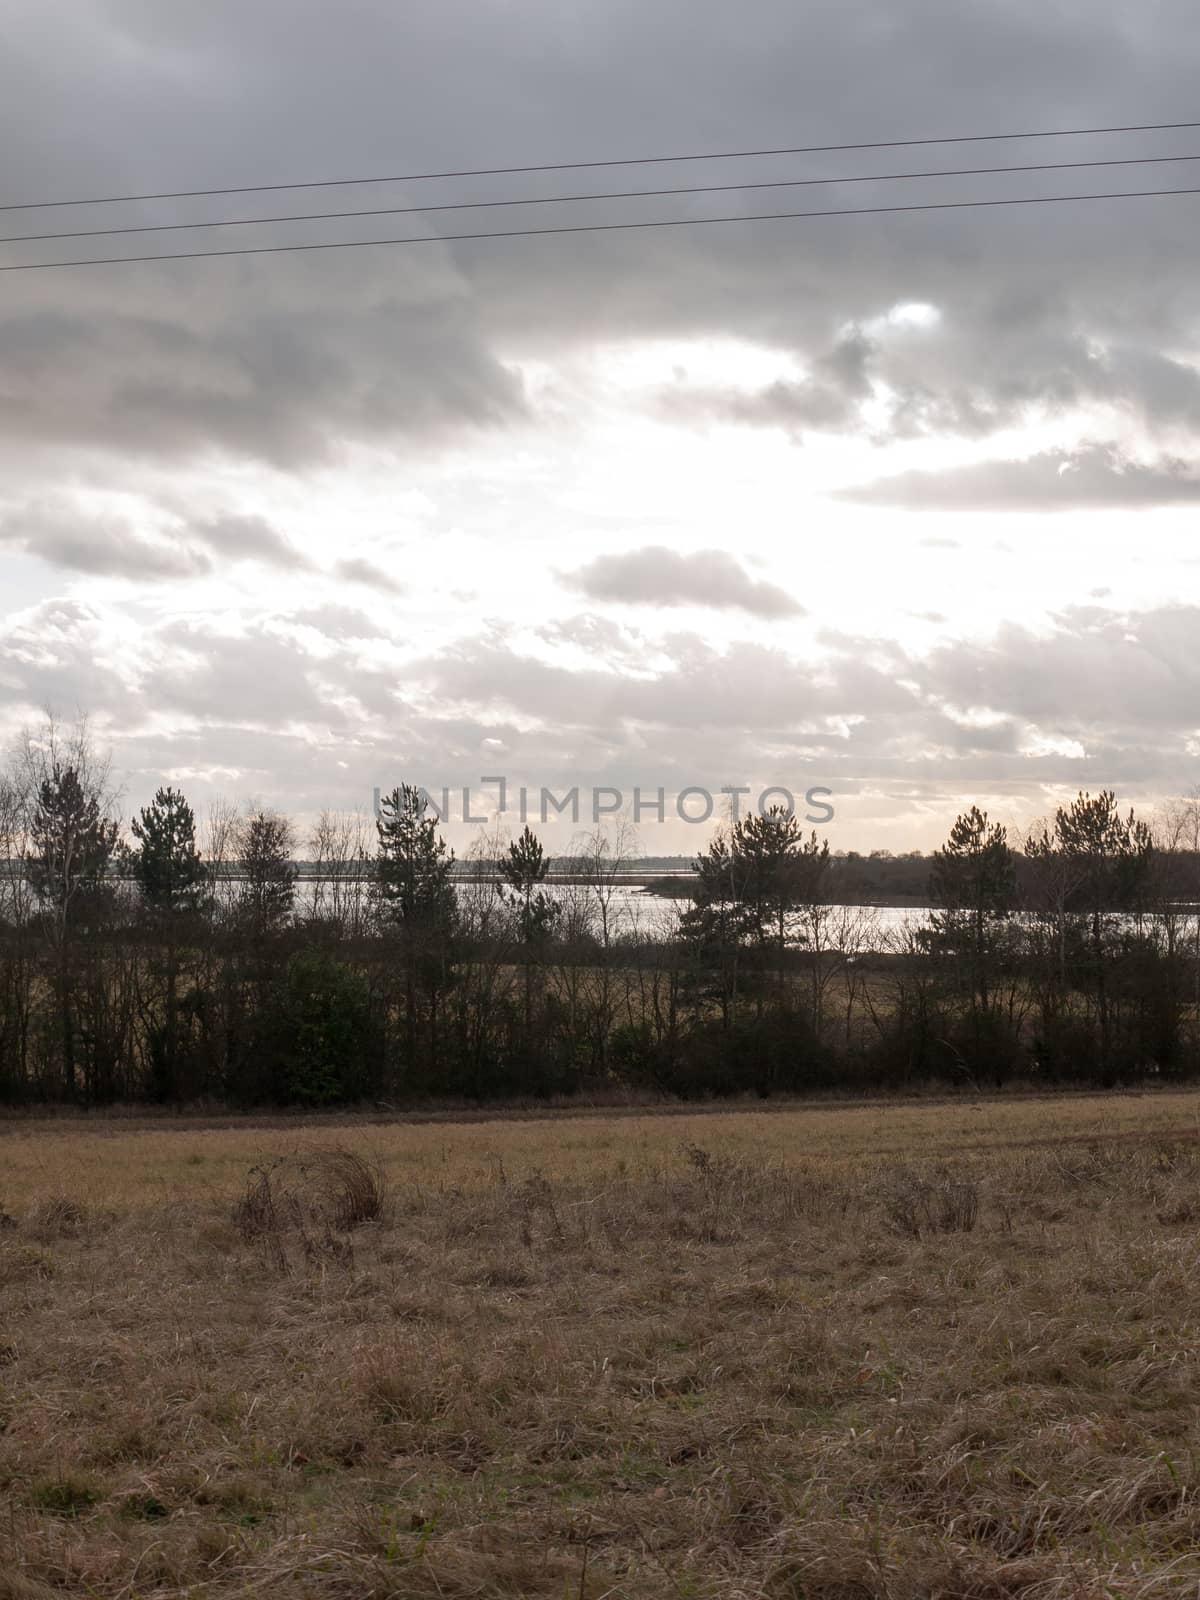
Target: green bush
(320, 1041)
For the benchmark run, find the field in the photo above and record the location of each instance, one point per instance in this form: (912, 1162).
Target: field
(892, 1352)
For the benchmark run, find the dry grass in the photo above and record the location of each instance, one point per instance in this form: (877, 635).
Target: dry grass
(670, 1366)
(134, 1162)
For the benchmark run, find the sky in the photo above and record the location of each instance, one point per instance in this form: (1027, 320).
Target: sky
(898, 506)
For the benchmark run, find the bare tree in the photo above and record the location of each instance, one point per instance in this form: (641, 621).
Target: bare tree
(340, 851)
(16, 886)
(1178, 902)
(599, 861)
(222, 828)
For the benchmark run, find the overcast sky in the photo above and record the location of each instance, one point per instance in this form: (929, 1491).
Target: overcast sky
(903, 506)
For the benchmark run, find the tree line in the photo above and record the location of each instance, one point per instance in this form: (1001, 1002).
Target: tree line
(135, 968)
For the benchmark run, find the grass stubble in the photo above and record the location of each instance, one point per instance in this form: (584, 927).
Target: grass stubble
(891, 1375)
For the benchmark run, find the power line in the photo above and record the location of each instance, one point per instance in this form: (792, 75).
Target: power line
(596, 227)
(570, 199)
(579, 166)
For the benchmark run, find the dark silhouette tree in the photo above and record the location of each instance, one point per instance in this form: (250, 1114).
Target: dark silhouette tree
(416, 905)
(749, 884)
(522, 872)
(72, 843)
(972, 888)
(267, 895)
(167, 867)
(170, 877)
(1100, 864)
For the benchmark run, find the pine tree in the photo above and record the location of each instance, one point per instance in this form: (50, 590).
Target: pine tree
(522, 871)
(749, 884)
(415, 901)
(973, 889)
(414, 865)
(73, 842)
(1104, 862)
(268, 891)
(167, 867)
(170, 876)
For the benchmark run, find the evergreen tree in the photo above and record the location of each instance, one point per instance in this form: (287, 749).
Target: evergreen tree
(169, 875)
(415, 902)
(522, 871)
(778, 869)
(317, 1040)
(268, 891)
(972, 889)
(73, 841)
(1102, 863)
(167, 867)
(749, 883)
(414, 865)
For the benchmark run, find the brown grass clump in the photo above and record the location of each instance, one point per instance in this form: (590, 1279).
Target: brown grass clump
(314, 1200)
(336, 1186)
(58, 1216)
(713, 1376)
(266, 1207)
(19, 1263)
(918, 1206)
(345, 1187)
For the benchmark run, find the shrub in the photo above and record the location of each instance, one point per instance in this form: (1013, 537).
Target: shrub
(22, 1263)
(58, 1216)
(348, 1189)
(64, 1497)
(335, 1188)
(143, 1507)
(918, 1206)
(318, 1041)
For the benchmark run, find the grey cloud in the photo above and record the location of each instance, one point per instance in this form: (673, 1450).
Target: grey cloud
(249, 538)
(102, 546)
(355, 569)
(1004, 713)
(1054, 481)
(828, 399)
(295, 361)
(340, 622)
(260, 677)
(1098, 671)
(599, 637)
(284, 384)
(1122, 688)
(285, 358)
(657, 576)
(59, 654)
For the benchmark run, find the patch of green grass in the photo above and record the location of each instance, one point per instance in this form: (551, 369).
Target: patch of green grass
(143, 1507)
(64, 1497)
